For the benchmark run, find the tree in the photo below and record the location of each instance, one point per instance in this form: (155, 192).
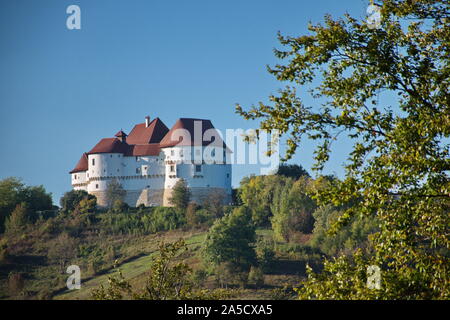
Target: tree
(71, 199)
(398, 166)
(192, 218)
(345, 240)
(231, 239)
(294, 171)
(63, 249)
(10, 190)
(120, 206)
(292, 209)
(114, 191)
(257, 193)
(167, 280)
(214, 203)
(18, 219)
(13, 192)
(180, 195)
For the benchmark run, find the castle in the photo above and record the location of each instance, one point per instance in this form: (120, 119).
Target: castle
(151, 159)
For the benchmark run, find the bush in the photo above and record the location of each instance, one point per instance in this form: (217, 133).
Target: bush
(199, 277)
(120, 206)
(71, 199)
(256, 276)
(231, 240)
(16, 283)
(265, 254)
(181, 195)
(3, 251)
(18, 218)
(158, 219)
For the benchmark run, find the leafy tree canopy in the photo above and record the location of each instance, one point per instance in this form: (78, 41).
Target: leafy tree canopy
(294, 171)
(399, 163)
(180, 195)
(71, 199)
(114, 192)
(14, 192)
(230, 240)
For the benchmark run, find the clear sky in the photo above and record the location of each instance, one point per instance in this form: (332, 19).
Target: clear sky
(62, 90)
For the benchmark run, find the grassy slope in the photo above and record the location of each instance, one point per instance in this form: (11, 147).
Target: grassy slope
(289, 271)
(135, 270)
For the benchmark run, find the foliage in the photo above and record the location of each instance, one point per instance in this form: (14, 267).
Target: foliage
(18, 219)
(63, 249)
(231, 239)
(180, 195)
(398, 166)
(347, 238)
(87, 205)
(256, 276)
(114, 192)
(13, 192)
(293, 171)
(214, 203)
(292, 209)
(71, 199)
(157, 219)
(16, 283)
(4, 254)
(257, 192)
(265, 254)
(168, 280)
(119, 206)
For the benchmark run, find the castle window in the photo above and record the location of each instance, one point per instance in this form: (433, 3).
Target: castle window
(198, 168)
(138, 170)
(110, 155)
(96, 186)
(213, 153)
(228, 175)
(172, 152)
(93, 162)
(172, 168)
(75, 177)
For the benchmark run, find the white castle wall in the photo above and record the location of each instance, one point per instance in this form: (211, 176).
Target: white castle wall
(79, 181)
(149, 179)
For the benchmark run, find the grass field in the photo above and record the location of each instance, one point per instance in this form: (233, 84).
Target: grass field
(135, 269)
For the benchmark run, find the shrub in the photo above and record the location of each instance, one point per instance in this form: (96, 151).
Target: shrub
(256, 276)
(265, 254)
(18, 218)
(16, 283)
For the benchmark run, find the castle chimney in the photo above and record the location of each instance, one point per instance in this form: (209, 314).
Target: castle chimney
(147, 121)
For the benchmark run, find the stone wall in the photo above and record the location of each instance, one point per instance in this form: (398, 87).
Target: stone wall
(148, 197)
(199, 195)
(157, 197)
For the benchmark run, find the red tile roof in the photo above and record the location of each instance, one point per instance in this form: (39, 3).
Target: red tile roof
(172, 137)
(110, 145)
(152, 149)
(151, 134)
(82, 164)
(148, 141)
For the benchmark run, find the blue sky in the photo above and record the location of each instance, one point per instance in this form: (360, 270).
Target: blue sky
(62, 90)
